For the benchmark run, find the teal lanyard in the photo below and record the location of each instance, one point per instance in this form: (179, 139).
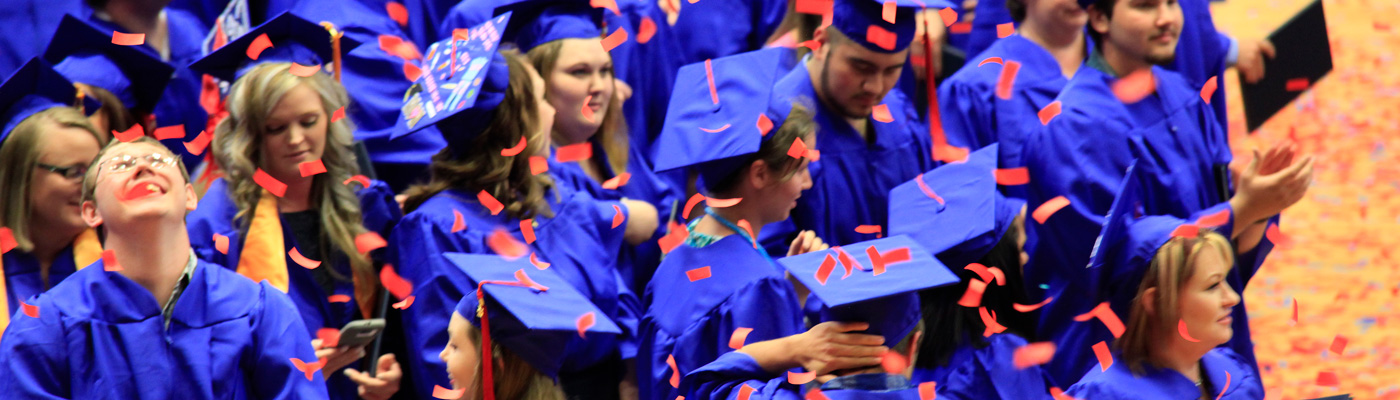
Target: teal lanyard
(740, 231)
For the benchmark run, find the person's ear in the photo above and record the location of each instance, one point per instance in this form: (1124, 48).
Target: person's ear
(1098, 20)
(90, 216)
(820, 36)
(759, 176)
(913, 354)
(191, 200)
(1149, 301)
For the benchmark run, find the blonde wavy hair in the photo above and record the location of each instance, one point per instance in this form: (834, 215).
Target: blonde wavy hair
(238, 141)
(20, 156)
(478, 165)
(1170, 269)
(612, 133)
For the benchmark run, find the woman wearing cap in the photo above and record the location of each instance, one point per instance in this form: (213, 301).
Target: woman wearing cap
(301, 236)
(45, 148)
(488, 195)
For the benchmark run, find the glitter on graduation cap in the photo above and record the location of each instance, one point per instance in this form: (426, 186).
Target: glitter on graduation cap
(864, 22)
(85, 54)
(888, 301)
(743, 85)
(969, 221)
(464, 80)
(33, 88)
(293, 40)
(532, 312)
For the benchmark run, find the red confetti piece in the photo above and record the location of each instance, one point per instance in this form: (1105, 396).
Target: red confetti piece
(109, 261)
(262, 42)
(397, 285)
(824, 271)
(1006, 82)
(1101, 352)
(302, 260)
(584, 322)
(1105, 315)
(618, 217)
(1006, 29)
(893, 362)
(880, 261)
(1328, 378)
(798, 149)
(330, 337)
(812, 45)
(221, 243)
(814, 394)
(527, 230)
(411, 71)
(361, 179)
(490, 202)
(698, 273)
(538, 165)
(170, 132)
(1185, 334)
(999, 277)
(981, 271)
(1226, 387)
(1208, 90)
(339, 298)
(800, 378)
(574, 152)
(608, 4)
(881, 113)
(1275, 235)
(7, 240)
(722, 203)
(540, 265)
(128, 39)
(369, 241)
(927, 191)
(1213, 220)
(130, 134)
(868, 229)
(1136, 86)
(458, 223)
(1186, 231)
(646, 30)
(814, 7)
(1032, 307)
(928, 390)
(990, 60)
(973, 296)
(440, 392)
(1033, 354)
(308, 369)
(961, 28)
(311, 168)
(949, 15)
(1295, 311)
(689, 204)
(675, 372)
(397, 12)
(673, 238)
(764, 124)
(814, 155)
(716, 130)
(29, 309)
(1012, 176)
(586, 110)
(338, 115)
(269, 183)
(1049, 208)
(1339, 344)
(399, 48)
(506, 246)
(1049, 112)
(880, 37)
(614, 39)
(1296, 84)
(710, 77)
(1058, 394)
(744, 390)
(199, 143)
(617, 181)
(304, 70)
(990, 320)
(889, 10)
(519, 147)
(736, 340)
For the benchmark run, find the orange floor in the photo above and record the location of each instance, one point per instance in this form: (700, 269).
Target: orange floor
(1343, 268)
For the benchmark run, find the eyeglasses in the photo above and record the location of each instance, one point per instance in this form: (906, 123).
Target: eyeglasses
(125, 163)
(69, 172)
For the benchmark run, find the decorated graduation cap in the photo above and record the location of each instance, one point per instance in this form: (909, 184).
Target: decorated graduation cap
(464, 80)
(284, 38)
(864, 22)
(542, 21)
(33, 88)
(873, 281)
(83, 53)
(533, 313)
(714, 122)
(955, 209)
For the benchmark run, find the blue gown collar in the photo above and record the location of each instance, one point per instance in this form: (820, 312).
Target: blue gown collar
(204, 302)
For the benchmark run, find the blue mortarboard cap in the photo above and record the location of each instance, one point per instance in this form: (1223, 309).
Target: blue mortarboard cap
(858, 18)
(293, 40)
(717, 137)
(33, 88)
(971, 218)
(1086, 3)
(887, 299)
(465, 91)
(537, 325)
(1129, 240)
(542, 21)
(85, 54)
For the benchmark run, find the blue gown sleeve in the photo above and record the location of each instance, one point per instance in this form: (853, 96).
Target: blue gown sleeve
(280, 337)
(968, 114)
(379, 210)
(725, 377)
(759, 306)
(34, 352)
(629, 305)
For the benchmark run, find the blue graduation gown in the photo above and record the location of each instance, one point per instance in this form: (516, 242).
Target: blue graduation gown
(215, 215)
(1219, 367)
(852, 181)
(29, 24)
(100, 335)
(180, 102)
(635, 263)
(987, 373)
(1083, 154)
(693, 321)
(984, 28)
(1201, 53)
(578, 242)
(724, 378)
(22, 275)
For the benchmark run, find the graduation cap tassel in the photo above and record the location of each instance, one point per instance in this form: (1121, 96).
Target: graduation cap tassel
(488, 383)
(935, 121)
(335, 47)
(79, 99)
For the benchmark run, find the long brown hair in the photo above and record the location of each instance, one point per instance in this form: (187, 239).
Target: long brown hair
(1170, 269)
(612, 133)
(237, 149)
(478, 165)
(18, 158)
(514, 378)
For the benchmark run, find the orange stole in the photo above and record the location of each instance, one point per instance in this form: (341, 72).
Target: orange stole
(264, 255)
(86, 250)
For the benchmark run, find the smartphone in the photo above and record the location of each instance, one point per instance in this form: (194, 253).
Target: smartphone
(361, 332)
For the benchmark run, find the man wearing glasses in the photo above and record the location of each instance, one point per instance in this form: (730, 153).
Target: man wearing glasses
(150, 320)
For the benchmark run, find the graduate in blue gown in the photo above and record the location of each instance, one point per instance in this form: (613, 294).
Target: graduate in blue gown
(878, 293)
(719, 280)
(481, 202)
(515, 327)
(1171, 278)
(129, 79)
(862, 158)
(245, 227)
(1083, 153)
(956, 209)
(45, 147)
(151, 320)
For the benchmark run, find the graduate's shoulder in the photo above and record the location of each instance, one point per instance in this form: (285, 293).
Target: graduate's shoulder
(729, 270)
